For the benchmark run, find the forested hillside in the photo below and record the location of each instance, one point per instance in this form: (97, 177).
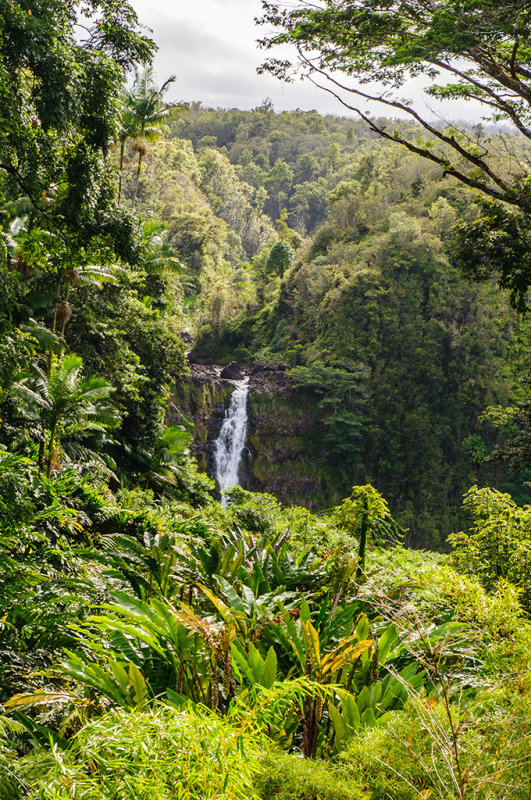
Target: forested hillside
(312, 244)
(371, 640)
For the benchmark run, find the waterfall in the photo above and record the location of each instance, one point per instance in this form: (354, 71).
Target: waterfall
(229, 446)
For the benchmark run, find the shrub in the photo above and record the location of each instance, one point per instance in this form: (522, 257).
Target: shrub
(289, 777)
(414, 754)
(498, 544)
(158, 755)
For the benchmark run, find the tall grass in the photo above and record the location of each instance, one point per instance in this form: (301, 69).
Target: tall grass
(161, 754)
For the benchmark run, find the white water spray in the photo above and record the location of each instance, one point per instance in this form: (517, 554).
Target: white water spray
(230, 444)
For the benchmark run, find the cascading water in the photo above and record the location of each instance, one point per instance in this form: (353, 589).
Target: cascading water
(230, 444)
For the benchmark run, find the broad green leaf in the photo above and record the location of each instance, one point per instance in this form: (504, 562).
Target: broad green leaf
(296, 640)
(362, 700)
(362, 627)
(240, 656)
(233, 599)
(120, 674)
(178, 701)
(304, 612)
(386, 642)
(339, 726)
(351, 713)
(138, 685)
(270, 668)
(368, 719)
(312, 640)
(375, 693)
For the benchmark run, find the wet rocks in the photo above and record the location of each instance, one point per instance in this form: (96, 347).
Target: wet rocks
(271, 380)
(285, 452)
(232, 372)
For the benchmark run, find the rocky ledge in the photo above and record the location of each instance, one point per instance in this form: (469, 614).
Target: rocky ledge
(285, 450)
(267, 378)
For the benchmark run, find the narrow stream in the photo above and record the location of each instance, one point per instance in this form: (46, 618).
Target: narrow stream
(230, 444)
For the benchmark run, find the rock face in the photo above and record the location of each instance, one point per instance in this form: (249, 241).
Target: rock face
(288, 459)
(287, 456)
(232, 371)
(201, 399)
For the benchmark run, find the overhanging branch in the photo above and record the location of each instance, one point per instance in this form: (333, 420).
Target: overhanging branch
(497, 100)
(449, 169)
(505, 193)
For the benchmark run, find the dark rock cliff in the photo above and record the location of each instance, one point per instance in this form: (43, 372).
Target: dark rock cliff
(286, 456)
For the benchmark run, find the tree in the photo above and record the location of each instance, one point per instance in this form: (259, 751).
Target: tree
(497, 545)
(342, 392)
(307, 168)
(144, 112)
(477, 51)
(157, 255)
(278, 183)
(60, 77)
(366, 512)
(498, 241)
(515, 448)
(280, 258)
(68, 400)
(165, 464)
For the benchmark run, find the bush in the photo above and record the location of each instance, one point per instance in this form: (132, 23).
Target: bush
(413, 754)
(158, 755)
(498, 544)
(288, 777)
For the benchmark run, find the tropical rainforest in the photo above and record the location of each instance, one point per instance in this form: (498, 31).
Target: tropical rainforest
(369, 640)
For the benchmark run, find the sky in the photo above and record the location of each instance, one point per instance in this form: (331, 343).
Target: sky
(210, 45)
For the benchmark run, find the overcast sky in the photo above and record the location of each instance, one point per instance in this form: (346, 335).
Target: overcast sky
(211, 46)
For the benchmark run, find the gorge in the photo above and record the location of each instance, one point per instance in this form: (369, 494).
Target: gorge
(284, 454)
(315, 320)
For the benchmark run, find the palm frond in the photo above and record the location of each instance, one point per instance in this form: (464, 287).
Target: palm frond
(45, 337)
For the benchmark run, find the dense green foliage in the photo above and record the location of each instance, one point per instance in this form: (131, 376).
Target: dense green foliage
(499, 542)
(59, 96)
(476, 51)
(244, 645)
(372, 287)
(154, 644)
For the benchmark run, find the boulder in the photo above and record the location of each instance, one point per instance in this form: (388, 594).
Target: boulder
(233, 372)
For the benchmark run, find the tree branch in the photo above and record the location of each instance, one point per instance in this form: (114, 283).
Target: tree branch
(499, 102)
(19, 179)
(449, 140)
(425, 153)
(492, 68)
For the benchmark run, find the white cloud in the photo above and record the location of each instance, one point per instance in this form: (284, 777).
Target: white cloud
(211, 46)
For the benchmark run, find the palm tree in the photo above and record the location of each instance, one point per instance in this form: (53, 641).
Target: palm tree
(158, 256)
(164, 464)
(144, 112)
(88, 274)
(66, 401)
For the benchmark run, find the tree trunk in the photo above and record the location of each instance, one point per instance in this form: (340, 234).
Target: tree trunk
(50, 352)
(140, 158)
(121, 173)
(40, 457)
(50, 451)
